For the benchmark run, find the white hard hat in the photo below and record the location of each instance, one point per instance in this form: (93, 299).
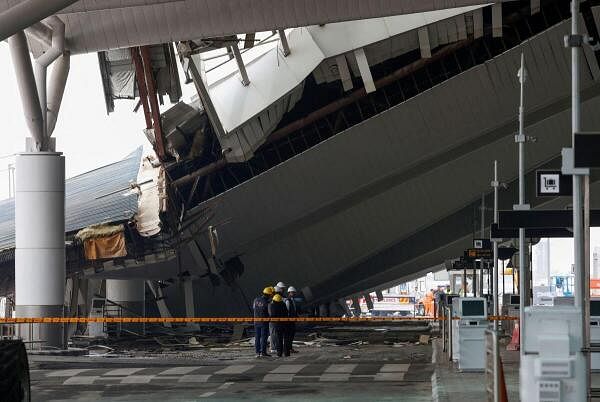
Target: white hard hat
(281, 285)
(292, 289)
(279, 289)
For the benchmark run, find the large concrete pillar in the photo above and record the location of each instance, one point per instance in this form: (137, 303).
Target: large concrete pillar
(40, 243)
(128, 293)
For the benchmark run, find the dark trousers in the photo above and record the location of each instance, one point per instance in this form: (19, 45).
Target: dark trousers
(279, 333)
(288, 337)
(273, 336)
(261, 334)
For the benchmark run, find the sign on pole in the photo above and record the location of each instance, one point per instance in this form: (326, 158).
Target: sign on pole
(478, 254)
(552, 183)
(482, 243)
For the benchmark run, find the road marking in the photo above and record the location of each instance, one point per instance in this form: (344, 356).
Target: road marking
(341, 368)
(394, 368)
(235, 369)
(225, 385)
(81, 380)
(329, 377)
(278, 377)
(195, 378)
(397, 376)
(137, 379)
(288, 369)
(124, 371)
(179, 370)
(67, 373)
(207, 394)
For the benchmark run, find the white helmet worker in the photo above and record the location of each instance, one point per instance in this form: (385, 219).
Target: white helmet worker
(281, 285)
(292, 289)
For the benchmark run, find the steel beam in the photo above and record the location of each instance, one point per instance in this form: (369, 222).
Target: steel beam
(141, 83)
(149, 77)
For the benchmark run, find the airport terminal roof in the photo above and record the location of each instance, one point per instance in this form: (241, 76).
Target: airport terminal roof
(97, 196)
(95, 25)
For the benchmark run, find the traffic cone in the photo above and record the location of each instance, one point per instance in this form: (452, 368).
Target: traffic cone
(514, 342)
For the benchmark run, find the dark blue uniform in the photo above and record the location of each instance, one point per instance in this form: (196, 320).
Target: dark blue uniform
(261, 310)
(290, 327)
(279, 310)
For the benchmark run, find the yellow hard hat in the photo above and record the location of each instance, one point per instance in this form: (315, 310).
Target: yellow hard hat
(277, 298)
(268, 290)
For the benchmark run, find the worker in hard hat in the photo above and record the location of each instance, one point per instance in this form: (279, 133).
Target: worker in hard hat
(277, 309)
(290, 327)
(261, 328)
(280, 290)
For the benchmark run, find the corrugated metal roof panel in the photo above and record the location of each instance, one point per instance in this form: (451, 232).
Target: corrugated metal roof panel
(97, 196)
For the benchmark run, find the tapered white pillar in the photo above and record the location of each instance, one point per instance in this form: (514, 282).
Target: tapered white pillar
(40, 243)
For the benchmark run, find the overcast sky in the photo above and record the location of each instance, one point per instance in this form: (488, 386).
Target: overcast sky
(84, 133)
(89, 138)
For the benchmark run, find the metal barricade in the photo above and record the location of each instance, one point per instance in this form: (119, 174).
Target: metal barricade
(449, 329)
(492, 382)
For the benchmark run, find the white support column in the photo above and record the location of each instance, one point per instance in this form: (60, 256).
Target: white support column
(40, 243)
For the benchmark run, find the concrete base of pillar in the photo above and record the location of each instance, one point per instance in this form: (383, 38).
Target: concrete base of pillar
(37, 336)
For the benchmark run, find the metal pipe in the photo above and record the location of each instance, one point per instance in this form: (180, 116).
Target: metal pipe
(495, 185)
(482, 235)
(579, 235)
(19, 52)
(56, 89)
(523, 270)
(27, 13)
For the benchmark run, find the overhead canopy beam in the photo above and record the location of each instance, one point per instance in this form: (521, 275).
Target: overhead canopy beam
(27, 13)
(162, 21)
